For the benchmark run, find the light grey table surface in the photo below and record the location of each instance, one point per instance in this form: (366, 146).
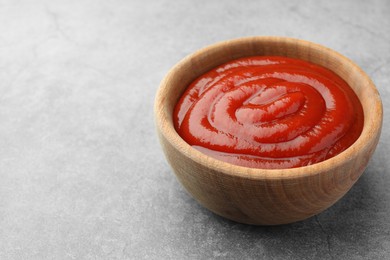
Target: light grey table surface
(82, 175)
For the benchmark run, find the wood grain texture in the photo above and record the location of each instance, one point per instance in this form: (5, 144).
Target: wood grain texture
(257, 196)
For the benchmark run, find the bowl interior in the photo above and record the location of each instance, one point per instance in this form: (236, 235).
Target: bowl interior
(205, 59)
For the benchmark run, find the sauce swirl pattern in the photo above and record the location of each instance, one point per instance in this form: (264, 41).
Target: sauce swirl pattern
(269, 112)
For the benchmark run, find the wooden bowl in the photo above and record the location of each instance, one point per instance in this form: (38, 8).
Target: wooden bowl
(258, 196)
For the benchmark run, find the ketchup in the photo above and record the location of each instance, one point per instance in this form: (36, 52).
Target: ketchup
(269, 112)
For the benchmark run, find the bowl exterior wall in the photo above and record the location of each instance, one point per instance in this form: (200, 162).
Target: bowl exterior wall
(267, 201)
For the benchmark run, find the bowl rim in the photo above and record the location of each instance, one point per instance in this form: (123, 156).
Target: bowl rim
(166, 128)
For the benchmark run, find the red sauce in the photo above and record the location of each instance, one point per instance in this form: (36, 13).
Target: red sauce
(269, 112)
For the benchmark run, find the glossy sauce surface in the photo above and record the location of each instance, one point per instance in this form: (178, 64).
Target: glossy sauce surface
(269, 112)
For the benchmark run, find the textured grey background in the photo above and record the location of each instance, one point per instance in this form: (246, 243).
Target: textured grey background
(82, 175)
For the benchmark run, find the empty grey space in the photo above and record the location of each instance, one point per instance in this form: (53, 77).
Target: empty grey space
(82, 174)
